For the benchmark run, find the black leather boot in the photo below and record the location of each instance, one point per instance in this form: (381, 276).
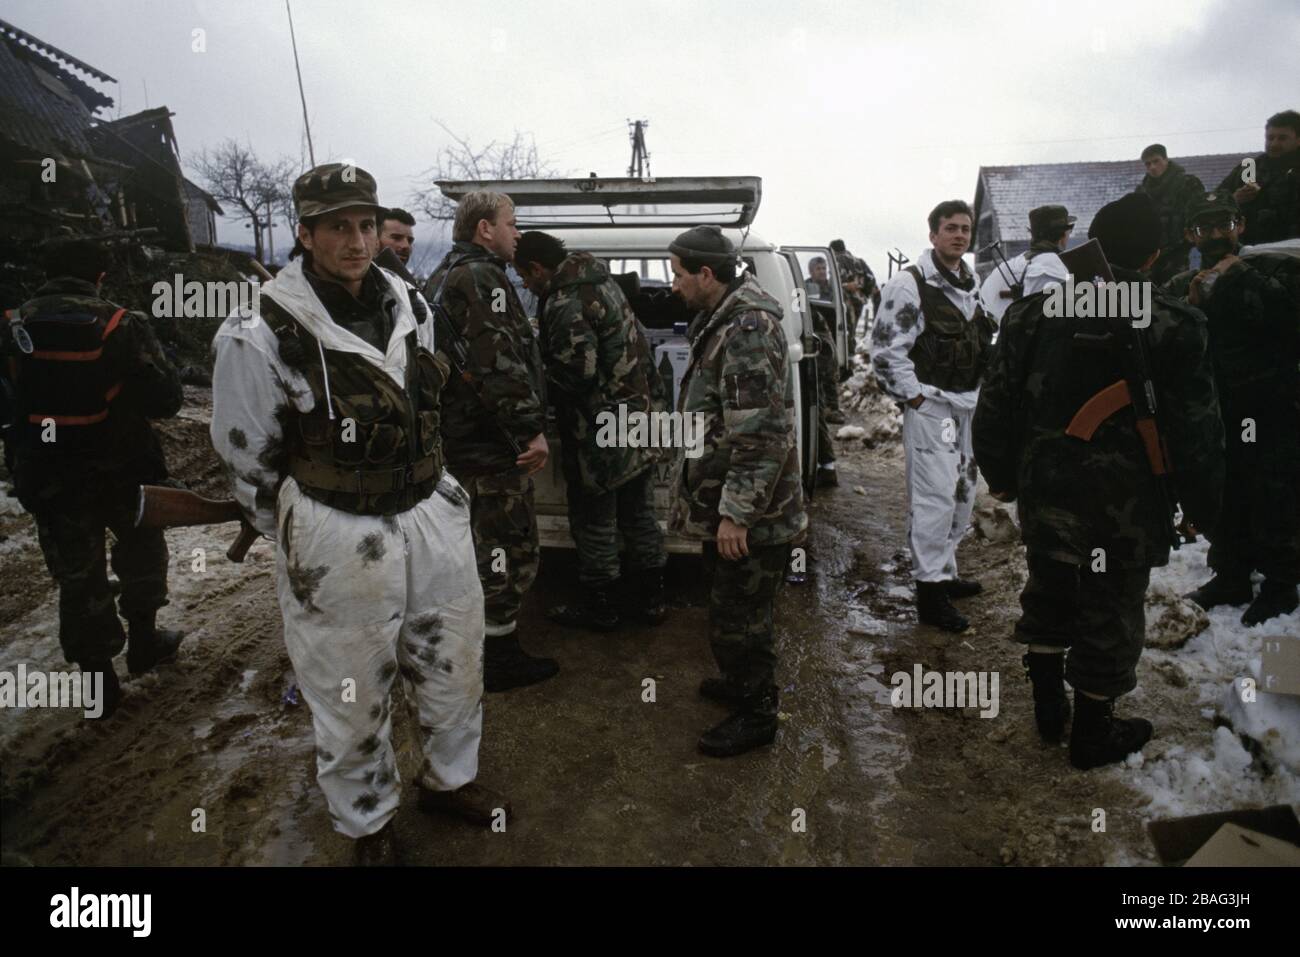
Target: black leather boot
(934, 608)
(1275, 598)
(1099, 738)
(717, 689)
(1051, 705)
(1222, 591)
(147, 645)
(110, 691)
(506, 665)
(597, 611)
(654, 603)
(752, 725)
(962, 588)
(376, 850)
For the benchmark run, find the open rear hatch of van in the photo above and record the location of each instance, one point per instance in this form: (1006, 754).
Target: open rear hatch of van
(681, 201)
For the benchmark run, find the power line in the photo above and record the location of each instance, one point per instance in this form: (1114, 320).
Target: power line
(1080, 139)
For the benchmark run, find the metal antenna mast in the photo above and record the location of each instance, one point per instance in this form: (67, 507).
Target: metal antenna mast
(640, 164)
(301, 95)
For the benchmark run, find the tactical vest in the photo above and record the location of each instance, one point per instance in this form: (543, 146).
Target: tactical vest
(64, 379)
(951, 351)
(380, 453)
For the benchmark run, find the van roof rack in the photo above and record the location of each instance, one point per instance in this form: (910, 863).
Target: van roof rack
(595, 201)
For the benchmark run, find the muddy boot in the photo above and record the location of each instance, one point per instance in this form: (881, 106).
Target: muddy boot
(934, 608)
(719, 690)
(1275, 598)
(1051, 705)
(1099, 738)
(147, 644)
(827, 476)
(471, 802)
(506, 665)
(962, 588)
(110, 691)
(752, 725)
(596, 612)
(652, 603)
(1222, 591)
(376, 850)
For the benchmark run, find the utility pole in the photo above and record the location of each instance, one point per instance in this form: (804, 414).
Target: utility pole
(640, 164)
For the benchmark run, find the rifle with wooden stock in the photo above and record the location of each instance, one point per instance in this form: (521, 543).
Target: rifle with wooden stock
(164, 507)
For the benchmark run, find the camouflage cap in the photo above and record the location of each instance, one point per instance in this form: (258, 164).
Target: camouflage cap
(1050, 217)
(333, 186)
(1218, 202)
(706, 244)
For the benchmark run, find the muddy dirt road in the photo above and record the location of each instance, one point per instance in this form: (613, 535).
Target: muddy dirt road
(597, 775)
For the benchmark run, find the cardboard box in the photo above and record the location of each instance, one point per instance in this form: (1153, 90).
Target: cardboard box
(1279, 671)
(1235, 846)
(1178, 839)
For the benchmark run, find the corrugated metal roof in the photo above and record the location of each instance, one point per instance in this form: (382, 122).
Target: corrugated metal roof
(1012, 191)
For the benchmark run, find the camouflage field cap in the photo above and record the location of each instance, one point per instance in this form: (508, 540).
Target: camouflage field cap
(705, 244)
(333, 186)
(1050, 217)
(1217, 202)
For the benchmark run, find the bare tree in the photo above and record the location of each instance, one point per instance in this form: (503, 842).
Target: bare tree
(254, 191)
(460, 160)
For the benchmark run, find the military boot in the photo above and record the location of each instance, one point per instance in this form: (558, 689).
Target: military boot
(597, 611)
(111, 690)
(962, 588)
(148, 644)
(1221, 590)
(471, 802)
(376, 850)
(506, 665)
(1275, 598)
(1099, 738)
(721, 691)
(652, 602)
(752, 725)
(1051, 706)
(934, 608)
(828, 476)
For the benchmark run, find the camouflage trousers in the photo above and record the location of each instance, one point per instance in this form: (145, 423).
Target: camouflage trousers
(503, 519)
(828, 372)
(72, 539)
(597, 519)
(1099, 616)
(1259, 524)
(742, 601)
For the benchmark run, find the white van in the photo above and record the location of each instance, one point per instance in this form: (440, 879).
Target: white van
(629, 224)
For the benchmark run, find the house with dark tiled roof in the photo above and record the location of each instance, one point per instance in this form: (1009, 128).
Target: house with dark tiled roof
(66, 167)
(1004, 195)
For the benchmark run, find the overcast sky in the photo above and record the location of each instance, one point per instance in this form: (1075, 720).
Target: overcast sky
(859, 117)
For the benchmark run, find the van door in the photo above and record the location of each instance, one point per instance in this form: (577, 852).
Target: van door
(826, 297)
(807, 373)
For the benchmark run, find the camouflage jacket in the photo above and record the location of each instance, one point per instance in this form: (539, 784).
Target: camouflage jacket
(851, 268)
(1076, 496)
(1254, 321)
(130, 453)
(1274, 213)
(508, 395)
(1171, 193)
(597, 360)
(740, 381)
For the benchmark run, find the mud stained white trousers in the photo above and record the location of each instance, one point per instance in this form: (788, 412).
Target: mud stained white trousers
(941, 477)
(365, 599)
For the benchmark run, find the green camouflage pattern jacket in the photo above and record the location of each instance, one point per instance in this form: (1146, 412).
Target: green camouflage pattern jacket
(1274, 213)
(508, 395)
(1254, 320)
(740, 380)
(1171, 193)
(150, 389)
(597, 359)
(1078, 496)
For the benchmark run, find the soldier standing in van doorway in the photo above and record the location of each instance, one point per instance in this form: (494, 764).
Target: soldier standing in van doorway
(931, 342)
(828, 372)
(493, 422)
(598, 361)
(742, 495)
(88, 375)
(325, 411)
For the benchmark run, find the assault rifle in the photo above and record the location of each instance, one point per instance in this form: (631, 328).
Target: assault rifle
(163, 507)
(1087, 263)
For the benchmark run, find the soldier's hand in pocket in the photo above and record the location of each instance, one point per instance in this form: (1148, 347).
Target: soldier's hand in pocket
(733, 540)
(533, 458)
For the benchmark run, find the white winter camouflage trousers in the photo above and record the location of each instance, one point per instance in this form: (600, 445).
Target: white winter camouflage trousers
(365, 599)
(941, 478)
